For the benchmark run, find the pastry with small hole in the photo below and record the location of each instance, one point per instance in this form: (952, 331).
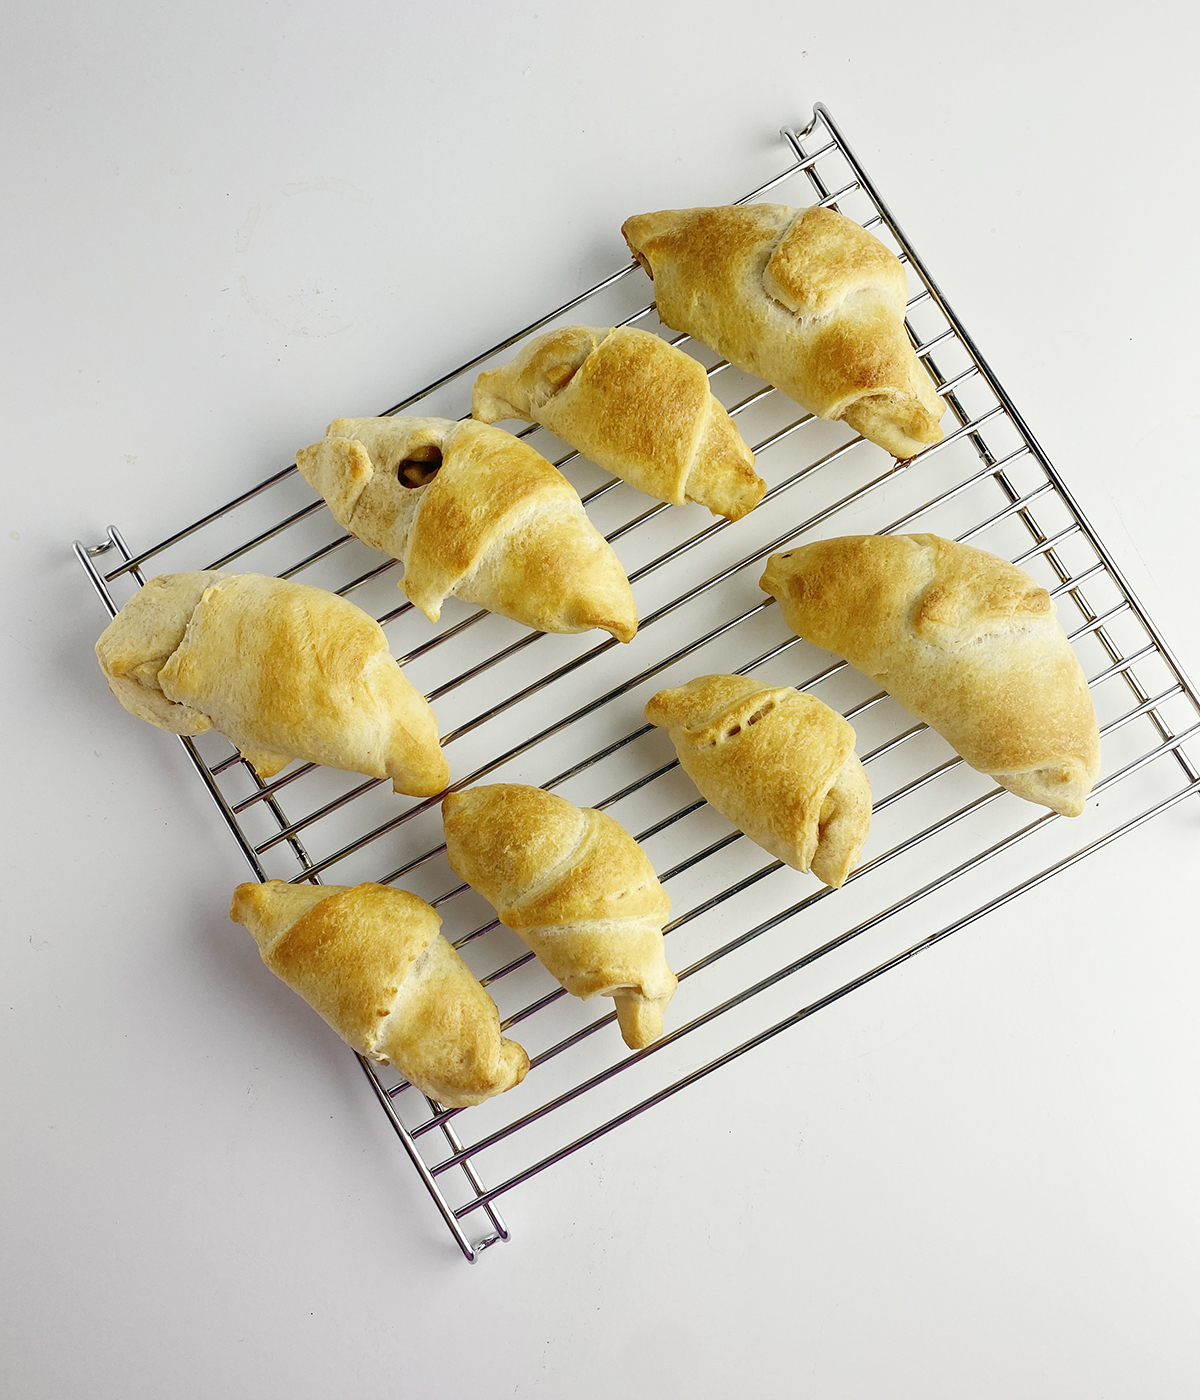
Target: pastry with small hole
(471, 510)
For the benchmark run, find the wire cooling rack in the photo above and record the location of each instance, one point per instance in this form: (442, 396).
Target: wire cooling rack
(757, 946)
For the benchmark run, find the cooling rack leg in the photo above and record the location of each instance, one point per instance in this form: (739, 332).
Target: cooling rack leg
(470, 1251)
(85, 554)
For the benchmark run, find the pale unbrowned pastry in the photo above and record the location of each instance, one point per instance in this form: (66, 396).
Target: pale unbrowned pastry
(283, 670)
(804, 298)
(371, 961)
(635, 405)
(778, 763)
(471, 510)
(965, 641)
(577, 888)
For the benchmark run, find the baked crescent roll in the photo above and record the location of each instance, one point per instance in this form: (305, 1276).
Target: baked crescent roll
(805, 299)
(778, 763)
(471, 510)
(370, 960)
(965, 641)
(283, 670)
(635, 405)
(577, 888)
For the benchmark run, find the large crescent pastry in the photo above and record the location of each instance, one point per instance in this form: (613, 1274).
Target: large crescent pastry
(804, 298)
(965, 641)
(283, 670)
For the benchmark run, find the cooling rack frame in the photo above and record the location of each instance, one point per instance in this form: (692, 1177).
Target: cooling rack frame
(991, 446)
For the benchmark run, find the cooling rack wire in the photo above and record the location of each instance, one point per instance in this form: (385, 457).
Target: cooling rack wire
(757, 947)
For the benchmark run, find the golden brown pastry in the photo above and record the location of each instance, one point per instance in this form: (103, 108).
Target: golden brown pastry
(778, 763)
(370, 960)
(635, 405)
(283, 670)
(804, 298)
(473, 511)
(577, 888)
(965, 641)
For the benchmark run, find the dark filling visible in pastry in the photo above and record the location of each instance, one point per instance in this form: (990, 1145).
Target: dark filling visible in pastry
(420, 466)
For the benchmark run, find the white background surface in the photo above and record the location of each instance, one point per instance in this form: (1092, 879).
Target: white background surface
(224, 225)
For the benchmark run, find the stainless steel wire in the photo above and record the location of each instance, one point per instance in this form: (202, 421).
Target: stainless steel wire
(566, 713)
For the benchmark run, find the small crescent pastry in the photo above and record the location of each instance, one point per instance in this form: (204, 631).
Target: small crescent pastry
(779, 763)
(634, 405)
(577, 888)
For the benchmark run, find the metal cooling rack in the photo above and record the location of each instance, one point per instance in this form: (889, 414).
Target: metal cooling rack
(757, 946)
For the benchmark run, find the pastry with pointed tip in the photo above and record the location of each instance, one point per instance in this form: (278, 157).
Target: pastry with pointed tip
(472, 511)
(804, 298)
(578, 889)
(965, 641)
(633, 404)
(779, 763)
(283, 670)
(371, 961)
